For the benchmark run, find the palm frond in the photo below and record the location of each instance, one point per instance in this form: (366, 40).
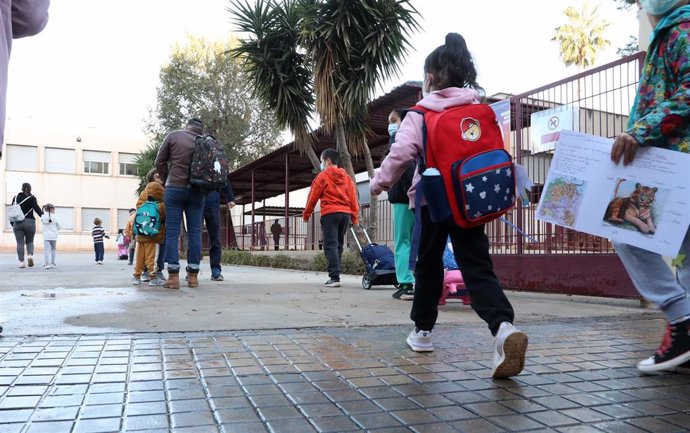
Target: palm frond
(278, 71)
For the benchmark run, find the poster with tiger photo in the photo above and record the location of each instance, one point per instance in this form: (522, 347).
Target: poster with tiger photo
(646, 204)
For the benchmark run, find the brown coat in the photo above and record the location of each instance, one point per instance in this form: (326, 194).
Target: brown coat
(175, 156)
(155, 191)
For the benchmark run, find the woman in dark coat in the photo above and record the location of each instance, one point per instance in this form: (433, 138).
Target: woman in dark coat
(25, 230)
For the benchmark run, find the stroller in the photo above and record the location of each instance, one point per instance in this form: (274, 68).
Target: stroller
(378, 260)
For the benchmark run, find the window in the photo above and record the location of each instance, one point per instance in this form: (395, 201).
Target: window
(21, 158)
(89, 214)
(96, 162)
(122, 217)
(65, 216)
(127, 167)
(59, 160)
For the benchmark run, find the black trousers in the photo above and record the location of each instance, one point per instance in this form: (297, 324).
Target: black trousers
(334, 227)
(471, 249)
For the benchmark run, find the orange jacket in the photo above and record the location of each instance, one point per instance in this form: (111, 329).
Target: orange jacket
(337, 193)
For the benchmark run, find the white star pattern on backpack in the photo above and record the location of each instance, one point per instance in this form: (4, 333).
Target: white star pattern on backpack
(469, 187)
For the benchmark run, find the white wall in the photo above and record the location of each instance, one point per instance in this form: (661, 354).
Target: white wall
(76, 190)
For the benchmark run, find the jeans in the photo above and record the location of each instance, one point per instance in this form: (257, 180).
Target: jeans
(471, 249)
(334, 227)
(403, 224)
(49, 248)
(24, 232)
(190, 201)
(656, 281)
(99, 249)
(160, 261)
(212, 220)
(130, 252)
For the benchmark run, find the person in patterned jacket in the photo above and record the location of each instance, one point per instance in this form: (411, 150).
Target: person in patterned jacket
(660, 117)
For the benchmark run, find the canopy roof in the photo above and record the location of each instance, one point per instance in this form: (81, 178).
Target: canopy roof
(269, 171)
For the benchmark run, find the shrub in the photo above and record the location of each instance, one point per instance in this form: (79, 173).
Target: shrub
(285, 262)
(319, 263)
(351, 263)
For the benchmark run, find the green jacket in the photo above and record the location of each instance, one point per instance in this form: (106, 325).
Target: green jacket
(660, 116)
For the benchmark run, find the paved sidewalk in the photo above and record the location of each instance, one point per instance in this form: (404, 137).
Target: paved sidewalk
(579, 377)
(273, 350)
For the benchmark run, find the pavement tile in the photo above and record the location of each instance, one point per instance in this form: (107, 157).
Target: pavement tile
(578, 379)
(99, 425)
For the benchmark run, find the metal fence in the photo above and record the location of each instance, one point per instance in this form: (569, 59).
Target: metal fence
(600, 100)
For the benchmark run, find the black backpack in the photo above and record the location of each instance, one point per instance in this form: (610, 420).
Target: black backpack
(209, 168)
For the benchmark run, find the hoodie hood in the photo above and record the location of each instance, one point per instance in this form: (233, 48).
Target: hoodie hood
(439, 100)
(336, 175)
(155, 191)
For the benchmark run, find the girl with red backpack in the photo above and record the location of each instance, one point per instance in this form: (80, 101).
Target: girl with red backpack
(450, 81)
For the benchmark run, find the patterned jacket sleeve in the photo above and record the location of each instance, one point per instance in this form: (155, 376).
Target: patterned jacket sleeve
(670, 116)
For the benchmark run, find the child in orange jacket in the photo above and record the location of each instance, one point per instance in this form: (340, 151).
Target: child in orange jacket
(339, 207)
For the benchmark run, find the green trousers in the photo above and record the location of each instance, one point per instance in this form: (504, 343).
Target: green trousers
(403, 223)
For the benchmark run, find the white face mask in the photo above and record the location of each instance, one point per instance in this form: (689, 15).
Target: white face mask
(658, 7)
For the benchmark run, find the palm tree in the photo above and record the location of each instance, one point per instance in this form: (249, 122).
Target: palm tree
(582, 36)
(339, 50)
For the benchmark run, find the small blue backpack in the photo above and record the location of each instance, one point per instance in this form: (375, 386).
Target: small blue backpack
(147, 221)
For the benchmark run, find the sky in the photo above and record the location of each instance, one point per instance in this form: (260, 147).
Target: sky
(96, 64)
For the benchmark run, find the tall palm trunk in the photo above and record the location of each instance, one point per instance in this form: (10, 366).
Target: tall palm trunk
(341, 144)
(313, 158)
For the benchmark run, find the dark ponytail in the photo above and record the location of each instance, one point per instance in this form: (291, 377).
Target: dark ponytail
(451, 64)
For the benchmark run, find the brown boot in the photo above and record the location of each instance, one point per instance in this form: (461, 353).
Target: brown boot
(192, 280)
(173, 281)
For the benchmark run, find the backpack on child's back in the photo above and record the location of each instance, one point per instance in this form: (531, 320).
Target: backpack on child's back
(467, 175)
(209, 168)
(147, 220)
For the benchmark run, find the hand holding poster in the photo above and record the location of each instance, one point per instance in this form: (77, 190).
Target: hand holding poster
(646, 204)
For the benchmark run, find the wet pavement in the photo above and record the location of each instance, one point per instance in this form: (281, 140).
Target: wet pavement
(579, 377)
(273, 350)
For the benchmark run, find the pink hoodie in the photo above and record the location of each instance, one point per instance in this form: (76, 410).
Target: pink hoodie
(408, 143)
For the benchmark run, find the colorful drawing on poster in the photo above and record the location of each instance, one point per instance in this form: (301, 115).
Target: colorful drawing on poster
(635, 206)
(561, 201)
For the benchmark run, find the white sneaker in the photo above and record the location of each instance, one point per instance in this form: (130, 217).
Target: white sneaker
(22, 264)
(145, 277)
(155, 282)
(46, 266)
(509, 354)
(420, 341)
(136, 281)
(332, 283)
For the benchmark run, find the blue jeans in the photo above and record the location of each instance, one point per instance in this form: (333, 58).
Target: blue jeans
(659, 284)
(190, 201)
(212, 220)
(160, 261)
(99, 249)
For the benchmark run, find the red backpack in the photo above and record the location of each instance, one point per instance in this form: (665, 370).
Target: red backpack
(467, 175)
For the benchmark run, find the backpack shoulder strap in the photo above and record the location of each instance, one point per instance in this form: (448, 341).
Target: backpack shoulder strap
(420, 110)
